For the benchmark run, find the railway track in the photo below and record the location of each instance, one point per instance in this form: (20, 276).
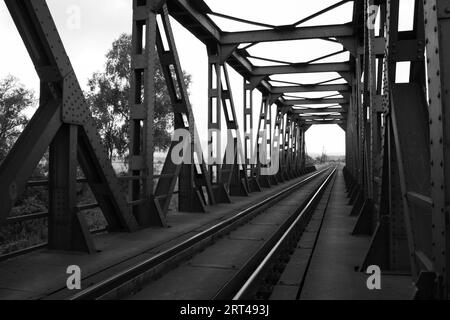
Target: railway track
(230, 259)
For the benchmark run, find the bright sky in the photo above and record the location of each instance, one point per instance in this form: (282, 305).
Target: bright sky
(102, 21)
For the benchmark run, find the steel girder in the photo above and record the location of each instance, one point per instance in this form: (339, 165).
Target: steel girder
(340, 67)
(193, 15)
(249, 140)
(322, 122)
(142, 115)
(378, 205)
(231, 172)
(278, 137)
(396, 145)
(320, 101)
(287, 33)
(321, 117)
(310, 88)
(437, 28)
(191, 179)
(318, 110)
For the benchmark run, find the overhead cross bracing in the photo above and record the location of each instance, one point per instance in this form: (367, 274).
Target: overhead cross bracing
(197, 17)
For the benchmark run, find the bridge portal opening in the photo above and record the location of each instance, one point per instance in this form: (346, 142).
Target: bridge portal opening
(325, 143)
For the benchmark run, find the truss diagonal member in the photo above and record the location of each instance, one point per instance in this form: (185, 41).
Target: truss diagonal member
(220, 98)
(328, 81)
(193, 15)
(249, 46)
(278, 142)
(190, 180)
(288, 82)
(145, 207)
(233, 125)
(263, 146)
(64, 103)
(318, 13)
(255, 23)
(269, 60)
(27, 151)
(326, 56)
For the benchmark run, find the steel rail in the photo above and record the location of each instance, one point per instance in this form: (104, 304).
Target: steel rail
(253, 280)
(102, 288)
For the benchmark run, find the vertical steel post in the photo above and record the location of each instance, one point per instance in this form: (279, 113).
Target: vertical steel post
(437, 27)
(142, 114)
(67, 230)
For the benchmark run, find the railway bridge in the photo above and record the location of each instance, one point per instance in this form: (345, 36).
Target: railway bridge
(257, 221)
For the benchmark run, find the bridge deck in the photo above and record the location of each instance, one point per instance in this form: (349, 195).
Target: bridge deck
(43, 272)
(332, 268)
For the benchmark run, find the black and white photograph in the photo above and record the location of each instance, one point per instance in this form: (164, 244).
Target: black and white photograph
(222, 159)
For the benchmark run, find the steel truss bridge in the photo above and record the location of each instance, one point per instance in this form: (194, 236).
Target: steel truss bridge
(397, 143)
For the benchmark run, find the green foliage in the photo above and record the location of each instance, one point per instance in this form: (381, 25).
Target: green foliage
(108, 96)
(14, 99)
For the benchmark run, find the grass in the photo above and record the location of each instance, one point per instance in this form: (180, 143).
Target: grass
(22, 235)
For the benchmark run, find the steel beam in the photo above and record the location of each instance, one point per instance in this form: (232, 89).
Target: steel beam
(314, 122)
(302, 68)
(318, 110)
(437, 27)
(191, 179)
(287, 33)
(192, 15)
(321, 117)
(311, 88)
(297, 102)
(142, 115)
(67, 227)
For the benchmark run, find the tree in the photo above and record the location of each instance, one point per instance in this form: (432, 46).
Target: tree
(14, 99)
(108, 97)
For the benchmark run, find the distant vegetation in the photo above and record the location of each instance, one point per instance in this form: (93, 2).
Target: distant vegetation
(108, 96)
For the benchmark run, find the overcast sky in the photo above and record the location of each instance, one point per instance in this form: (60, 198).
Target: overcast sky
(102, 21)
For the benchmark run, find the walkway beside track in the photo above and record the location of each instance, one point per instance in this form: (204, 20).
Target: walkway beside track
(331, 274)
